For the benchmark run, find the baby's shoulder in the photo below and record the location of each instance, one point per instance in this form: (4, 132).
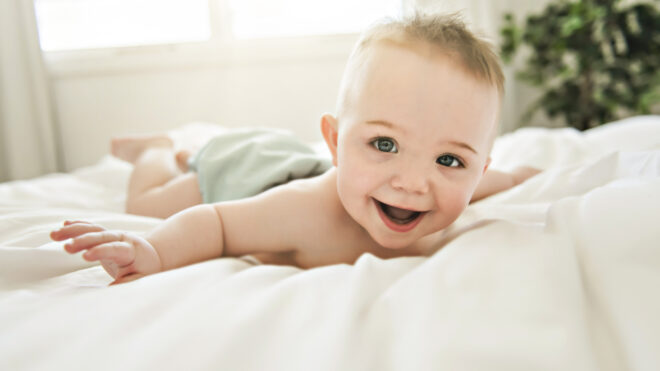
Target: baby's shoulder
(311, 192)
(282, 220)
(315, 199)
(308, 217)
(310, 202)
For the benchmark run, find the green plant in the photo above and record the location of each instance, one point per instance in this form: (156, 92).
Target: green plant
(594, 60)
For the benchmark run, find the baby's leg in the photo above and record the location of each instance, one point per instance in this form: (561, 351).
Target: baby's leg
(157, 186)
(129, 149)
(182, 157)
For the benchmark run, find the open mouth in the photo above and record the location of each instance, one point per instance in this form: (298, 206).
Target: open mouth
(398, 219)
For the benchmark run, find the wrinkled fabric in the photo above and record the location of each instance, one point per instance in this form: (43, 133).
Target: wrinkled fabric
(559, 273)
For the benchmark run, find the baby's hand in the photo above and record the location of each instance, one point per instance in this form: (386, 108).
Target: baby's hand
(125, 256)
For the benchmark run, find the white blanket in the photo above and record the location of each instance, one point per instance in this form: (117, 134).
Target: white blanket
(560, 273)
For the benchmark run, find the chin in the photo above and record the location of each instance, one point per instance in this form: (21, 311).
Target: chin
(394, 243)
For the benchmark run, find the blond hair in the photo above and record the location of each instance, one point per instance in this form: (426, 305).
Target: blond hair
(446, 32)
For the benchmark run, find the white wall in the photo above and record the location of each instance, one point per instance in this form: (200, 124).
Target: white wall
(283, 83)
(95, 101)
(93, 108)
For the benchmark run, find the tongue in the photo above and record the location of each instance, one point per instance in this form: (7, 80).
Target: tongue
(397, 213)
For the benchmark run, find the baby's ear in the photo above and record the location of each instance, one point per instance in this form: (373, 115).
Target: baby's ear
(487, 164)
(329, 130)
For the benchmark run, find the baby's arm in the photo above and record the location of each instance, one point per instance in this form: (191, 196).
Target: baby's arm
(190, 236)
(257, 224)
(495, 181)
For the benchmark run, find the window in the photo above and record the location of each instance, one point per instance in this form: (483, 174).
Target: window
(84, 24)
(91, 24)
(259, 18)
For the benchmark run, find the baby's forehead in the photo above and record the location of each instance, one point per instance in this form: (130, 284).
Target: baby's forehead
(392, 48)
(390, 76)
(475, 59)
(403, 60)
(375, 48)
(418, 46)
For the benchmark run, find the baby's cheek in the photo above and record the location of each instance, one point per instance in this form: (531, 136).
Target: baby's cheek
(459, 205)
(449, 211)
(456, 204)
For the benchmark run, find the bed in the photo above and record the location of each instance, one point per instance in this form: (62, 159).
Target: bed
(559, 273)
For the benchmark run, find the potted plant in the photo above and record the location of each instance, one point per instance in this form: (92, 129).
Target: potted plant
(594, 60)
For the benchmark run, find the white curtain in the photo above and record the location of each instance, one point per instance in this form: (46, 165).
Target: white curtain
(28, 135)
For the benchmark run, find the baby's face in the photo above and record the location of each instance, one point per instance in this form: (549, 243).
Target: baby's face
(413, 143)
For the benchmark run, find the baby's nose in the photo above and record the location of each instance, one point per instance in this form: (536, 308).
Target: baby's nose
(412, 179)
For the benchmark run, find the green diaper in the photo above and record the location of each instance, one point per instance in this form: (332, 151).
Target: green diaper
(245, 162)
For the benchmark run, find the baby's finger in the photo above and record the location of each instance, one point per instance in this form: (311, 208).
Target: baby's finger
(89, 240)
(127, 278)
(74, 230)
(69, 222)
(121, 253)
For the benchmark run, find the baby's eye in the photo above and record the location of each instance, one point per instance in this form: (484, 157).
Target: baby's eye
(449, 161)
(385, 145)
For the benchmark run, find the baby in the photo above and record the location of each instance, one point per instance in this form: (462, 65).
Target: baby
(410, 141)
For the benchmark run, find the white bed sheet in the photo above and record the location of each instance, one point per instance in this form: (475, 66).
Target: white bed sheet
(562, 272)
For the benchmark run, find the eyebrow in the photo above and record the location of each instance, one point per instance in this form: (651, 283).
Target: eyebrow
(381, 123)
(463, 145)
(390, 125)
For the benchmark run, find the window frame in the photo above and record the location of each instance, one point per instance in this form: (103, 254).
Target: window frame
(220, 50)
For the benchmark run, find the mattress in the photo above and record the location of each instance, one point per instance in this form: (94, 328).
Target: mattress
(560, 272)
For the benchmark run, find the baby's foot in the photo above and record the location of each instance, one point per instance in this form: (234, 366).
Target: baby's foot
(182, 157)
(130, 148)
